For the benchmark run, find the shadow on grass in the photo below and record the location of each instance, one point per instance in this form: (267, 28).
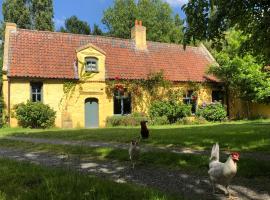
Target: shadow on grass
(248, 136)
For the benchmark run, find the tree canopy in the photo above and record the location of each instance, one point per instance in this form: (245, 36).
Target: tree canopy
(156, 15)
(97, 30)
(29, 14)
(209, 19)
(17, 11)
(75, 25)
(42, 13)
(242, 73)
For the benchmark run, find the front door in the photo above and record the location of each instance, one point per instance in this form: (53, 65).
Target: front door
(91, 113)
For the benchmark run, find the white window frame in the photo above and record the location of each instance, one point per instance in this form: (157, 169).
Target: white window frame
(91, 67)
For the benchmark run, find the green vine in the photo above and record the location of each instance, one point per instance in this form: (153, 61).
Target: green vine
(68, 86)
(154, 87)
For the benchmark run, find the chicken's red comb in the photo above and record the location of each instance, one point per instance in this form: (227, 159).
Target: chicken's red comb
(235, 153)
(235, 156)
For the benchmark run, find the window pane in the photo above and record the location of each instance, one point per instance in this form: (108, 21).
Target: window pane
(36, 91)
(122, 102)
(186, 100)
(218, 96)
(117, 106)
(34, 98)
(91, 64)
(189, 93)
(127, 105)
(38, 97)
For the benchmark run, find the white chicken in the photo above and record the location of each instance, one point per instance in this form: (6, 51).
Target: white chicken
(219, 172)
(134, 151)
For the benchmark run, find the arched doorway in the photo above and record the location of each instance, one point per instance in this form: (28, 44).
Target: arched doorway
(91, 113)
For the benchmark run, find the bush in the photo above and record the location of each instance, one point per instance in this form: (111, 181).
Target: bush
(159, 121)
(212, 112)
(192, 121)
(126, 120)
(35, 115)
(171, 109)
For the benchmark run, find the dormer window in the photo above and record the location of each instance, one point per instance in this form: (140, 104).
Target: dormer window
(91, 64)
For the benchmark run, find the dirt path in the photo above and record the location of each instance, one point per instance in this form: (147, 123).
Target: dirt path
(253, 155)
(171, 181)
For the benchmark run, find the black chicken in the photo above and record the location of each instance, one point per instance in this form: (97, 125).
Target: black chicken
(144, 130)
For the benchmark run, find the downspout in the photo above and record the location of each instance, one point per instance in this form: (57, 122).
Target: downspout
(9, 110)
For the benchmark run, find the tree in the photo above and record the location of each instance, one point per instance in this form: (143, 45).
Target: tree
(18, 12)
(97, 30)
(120, 18)
(177, 32)
(74, 25)
(42, 14)
(156, 15)
(241, 73)
(29, 14)
(209, 19)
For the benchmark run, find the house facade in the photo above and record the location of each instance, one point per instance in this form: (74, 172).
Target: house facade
(72, 73)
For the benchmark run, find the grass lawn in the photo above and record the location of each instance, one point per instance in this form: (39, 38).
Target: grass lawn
(233, 136)
(24, 181)
(192, 163)
(28, 181)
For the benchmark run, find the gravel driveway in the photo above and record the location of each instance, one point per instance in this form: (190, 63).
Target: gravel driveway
(170, 181)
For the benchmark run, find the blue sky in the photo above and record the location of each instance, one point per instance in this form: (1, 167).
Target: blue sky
(91, 10)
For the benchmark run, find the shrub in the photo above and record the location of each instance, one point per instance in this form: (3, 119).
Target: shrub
(192, 120)
(35, 115)
(126, 120)
(159, 121)
(212, 112)
(171, 109)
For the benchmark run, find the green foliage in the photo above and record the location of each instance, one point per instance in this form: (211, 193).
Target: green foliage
(1, 78)
(97, 30)
(156, 15)
(29, 14)
(212, 112)
(35, 115)
(68, 86)
(42, 14)
(163, 120)
(173, 110)
(126, 120)
(209, 19)
(38, 182)
(243, 74)
(75, 25)
(153, 83)
(192, 120)
(18, 12)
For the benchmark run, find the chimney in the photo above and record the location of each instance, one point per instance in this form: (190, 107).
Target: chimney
(10, 27)
(138, 34)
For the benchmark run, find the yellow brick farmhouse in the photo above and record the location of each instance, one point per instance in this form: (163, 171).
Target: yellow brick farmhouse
(71, 73)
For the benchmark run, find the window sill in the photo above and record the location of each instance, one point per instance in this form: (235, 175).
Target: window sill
(91, 71)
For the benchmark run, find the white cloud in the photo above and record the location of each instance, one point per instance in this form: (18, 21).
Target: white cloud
(176, 2)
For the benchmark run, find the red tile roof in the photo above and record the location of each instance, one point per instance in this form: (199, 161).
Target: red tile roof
(43, 54)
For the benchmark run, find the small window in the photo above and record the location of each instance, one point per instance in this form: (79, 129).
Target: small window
(122, 102)
(36, 91)
(190, 98)
(91, 65)
(218, 95)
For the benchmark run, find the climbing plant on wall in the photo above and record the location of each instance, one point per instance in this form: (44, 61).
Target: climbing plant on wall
(143, 91)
